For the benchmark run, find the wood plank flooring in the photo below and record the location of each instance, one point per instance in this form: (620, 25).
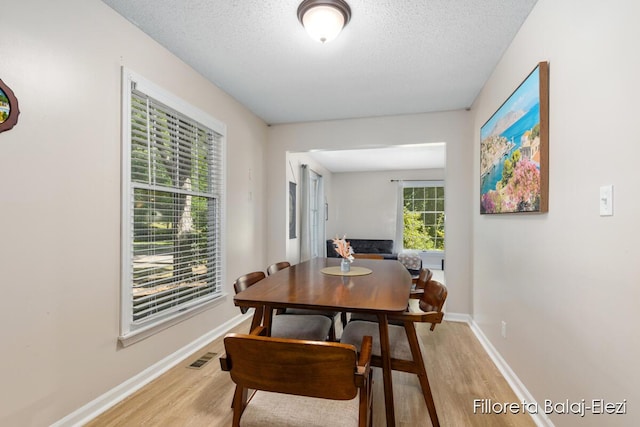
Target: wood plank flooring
(458, 367)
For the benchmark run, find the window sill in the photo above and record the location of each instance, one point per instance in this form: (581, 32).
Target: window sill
(146, 331)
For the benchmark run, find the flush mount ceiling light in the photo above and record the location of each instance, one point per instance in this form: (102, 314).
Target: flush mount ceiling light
(324, 19)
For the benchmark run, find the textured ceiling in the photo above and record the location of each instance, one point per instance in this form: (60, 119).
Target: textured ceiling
(394, 57)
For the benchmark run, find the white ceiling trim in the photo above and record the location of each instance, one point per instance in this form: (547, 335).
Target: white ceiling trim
(401, 157)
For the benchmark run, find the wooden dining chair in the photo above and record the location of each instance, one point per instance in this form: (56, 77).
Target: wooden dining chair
(273, 268)
(431, 298)
(297, 382)
(405, 346)
(423, 278)
(277, 267)
(310, 327)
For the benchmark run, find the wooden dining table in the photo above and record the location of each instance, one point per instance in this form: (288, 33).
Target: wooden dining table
(383, 290)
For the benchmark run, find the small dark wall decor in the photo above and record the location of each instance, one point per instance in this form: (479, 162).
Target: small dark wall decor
(9, 110)
(514, 150)
(292, 210)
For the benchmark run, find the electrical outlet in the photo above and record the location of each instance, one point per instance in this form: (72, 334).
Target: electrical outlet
(504, 329)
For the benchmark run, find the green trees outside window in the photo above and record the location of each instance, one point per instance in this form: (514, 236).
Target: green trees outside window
(423, 213)
(176, 185)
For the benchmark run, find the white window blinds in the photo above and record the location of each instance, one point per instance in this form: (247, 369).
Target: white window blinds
(174, 208)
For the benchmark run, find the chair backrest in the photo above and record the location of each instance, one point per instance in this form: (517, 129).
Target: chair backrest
(433, 298)
(244, 281)
(277, 267)
(281, 365)
(305, 368)
(423, 278)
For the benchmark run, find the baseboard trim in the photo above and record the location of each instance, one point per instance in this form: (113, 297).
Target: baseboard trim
(540, 419)
(458, 317)
(100, 404)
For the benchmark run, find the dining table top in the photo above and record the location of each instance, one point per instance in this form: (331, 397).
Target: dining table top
(385, 289)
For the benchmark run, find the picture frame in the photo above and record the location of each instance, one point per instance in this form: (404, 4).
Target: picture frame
(292, 210)
(514, 150)
(9, 109)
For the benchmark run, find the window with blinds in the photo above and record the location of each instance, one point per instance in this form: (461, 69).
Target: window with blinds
(173, 211)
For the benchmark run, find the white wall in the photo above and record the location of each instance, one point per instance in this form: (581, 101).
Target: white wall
(365, 203)
(60, 204)
(293, 174)
(454, 128)
(361, 204)
(566, 282)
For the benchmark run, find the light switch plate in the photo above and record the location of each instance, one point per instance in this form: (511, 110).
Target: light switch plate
(606, 200)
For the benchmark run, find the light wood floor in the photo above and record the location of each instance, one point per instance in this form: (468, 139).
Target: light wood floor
(458, 367)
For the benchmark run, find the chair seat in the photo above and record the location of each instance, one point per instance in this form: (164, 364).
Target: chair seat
(398, 343)
(306, 311)
(372, 318)
(308, 327)
(363, 316)
(285, 410)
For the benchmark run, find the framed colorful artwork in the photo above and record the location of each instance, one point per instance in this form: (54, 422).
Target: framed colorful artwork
(514, 150)
(9, 110)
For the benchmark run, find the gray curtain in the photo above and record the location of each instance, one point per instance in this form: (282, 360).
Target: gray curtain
(398, 243)
(305, 214)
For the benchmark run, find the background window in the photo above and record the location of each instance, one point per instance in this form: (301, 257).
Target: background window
(423, 214)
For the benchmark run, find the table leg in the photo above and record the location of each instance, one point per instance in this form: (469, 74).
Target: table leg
(268, 318)
(257, 318)
(418, 361)
(385, 355)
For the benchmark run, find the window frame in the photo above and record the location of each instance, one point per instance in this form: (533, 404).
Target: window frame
(420, 184)
(133, 331)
